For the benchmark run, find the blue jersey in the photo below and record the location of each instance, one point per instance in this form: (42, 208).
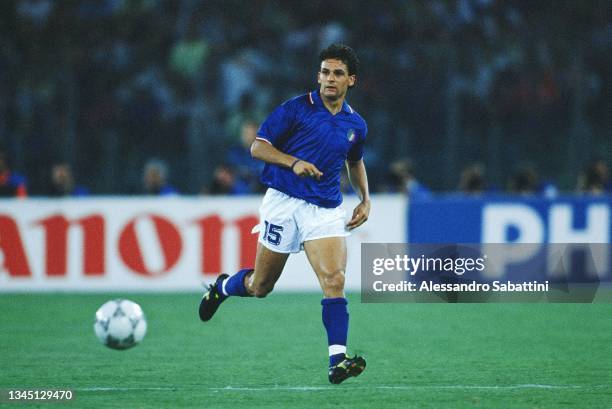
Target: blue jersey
(303, 127)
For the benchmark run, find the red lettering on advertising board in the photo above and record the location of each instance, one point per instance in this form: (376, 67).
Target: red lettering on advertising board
(56, 244)
(168, 237)
(211, 229)
(13, 253)
(130, 248)
(248, 240)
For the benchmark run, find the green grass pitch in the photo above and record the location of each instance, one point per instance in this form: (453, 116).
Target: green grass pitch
(272, 353)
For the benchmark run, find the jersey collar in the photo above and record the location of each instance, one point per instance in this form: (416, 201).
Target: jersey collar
(315, 99)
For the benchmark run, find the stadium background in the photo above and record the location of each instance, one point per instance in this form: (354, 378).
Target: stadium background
(471, 104)
(442, 83)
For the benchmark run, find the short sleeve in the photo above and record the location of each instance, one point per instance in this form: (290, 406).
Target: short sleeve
(278, 123)
(356, 152)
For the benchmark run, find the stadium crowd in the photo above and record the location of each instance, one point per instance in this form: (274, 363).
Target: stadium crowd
(164, 97)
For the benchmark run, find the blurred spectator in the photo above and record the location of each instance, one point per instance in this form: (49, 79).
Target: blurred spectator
(524, 181)
(62, 182)
(11, 184)
(594, 179)
(225, 182)
(472, 181)
(155, 178)
(403, 179)
(188, 56)
(247, 169)
(239, 74)
(247, 110)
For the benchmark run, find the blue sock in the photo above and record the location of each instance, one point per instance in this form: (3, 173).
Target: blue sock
(335, 319)
(234, 285)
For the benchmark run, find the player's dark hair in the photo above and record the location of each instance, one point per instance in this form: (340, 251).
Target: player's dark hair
(343, 53)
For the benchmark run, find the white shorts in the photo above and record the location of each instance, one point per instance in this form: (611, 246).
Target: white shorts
(286, 222)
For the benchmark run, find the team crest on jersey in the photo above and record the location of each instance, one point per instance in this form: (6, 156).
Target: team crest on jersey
(350, 135)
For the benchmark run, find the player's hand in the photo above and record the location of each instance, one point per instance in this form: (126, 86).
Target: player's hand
(307, 169)
(360, 215)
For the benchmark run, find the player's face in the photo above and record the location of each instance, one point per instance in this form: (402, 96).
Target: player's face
(334, 79)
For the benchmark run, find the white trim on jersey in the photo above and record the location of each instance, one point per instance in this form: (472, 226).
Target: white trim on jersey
(261, 138)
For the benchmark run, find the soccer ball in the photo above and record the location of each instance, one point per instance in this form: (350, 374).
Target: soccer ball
(120, 324)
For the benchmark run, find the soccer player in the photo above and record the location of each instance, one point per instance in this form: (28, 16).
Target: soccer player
(305, 143)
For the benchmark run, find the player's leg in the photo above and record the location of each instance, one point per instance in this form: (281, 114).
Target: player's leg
(278, 236)
(327, 256)
(247, 282)
(328, 259)
(268, 268)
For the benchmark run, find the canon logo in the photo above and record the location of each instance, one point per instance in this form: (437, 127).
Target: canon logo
(148, 244)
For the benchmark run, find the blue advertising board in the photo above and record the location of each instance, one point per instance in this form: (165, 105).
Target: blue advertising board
(509, 219)
(543, 225)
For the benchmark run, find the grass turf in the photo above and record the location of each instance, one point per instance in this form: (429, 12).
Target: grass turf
(272, 353)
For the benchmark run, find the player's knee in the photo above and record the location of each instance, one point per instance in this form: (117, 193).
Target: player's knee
(334, 282)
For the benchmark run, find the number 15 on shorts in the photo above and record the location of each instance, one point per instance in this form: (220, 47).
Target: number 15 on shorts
(272, 233)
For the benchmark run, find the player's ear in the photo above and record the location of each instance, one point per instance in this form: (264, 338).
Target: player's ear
(352, 80)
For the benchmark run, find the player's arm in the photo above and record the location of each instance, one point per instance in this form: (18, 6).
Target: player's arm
(264, 151)
(359, 180)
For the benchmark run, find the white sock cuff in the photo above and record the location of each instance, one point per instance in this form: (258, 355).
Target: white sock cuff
(337, 349)
(223, 287)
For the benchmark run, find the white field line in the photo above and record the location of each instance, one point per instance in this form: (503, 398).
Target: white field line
(410, 387)
(114, 389)
(335, 388)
